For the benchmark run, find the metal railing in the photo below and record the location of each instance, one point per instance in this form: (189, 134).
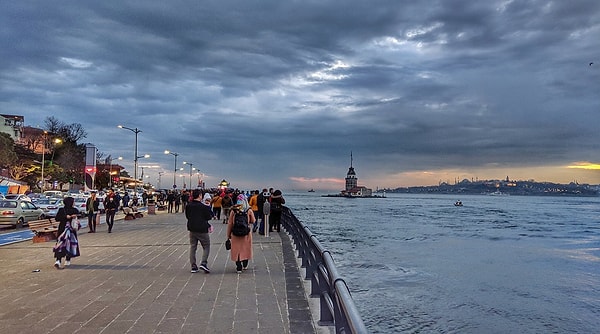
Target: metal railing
(335, 302)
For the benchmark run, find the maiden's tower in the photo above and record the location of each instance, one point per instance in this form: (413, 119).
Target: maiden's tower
(353, 190)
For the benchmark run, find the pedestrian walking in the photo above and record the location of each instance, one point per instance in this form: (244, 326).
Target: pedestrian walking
(216, 206)
(253, 202)
(67, 245)
(92, 207)
(125, 200)
(261, 199)
(111, 205)
(170, 201)
(177, 201)
(277, 202)
(198, 216)
(145, 198)
(241, 246)
(226, 204)
(185, 198)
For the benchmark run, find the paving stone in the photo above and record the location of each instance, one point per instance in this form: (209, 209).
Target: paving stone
(137, 280)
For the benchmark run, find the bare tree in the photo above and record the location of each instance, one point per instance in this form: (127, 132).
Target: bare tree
(68, 132)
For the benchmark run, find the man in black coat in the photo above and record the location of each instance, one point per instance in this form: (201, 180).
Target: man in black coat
(262, 198)
(198, 216)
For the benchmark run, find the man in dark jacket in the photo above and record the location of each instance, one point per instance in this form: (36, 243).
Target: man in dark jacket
(262, 198)
(111, 205)
(277, 202)
(198, 216)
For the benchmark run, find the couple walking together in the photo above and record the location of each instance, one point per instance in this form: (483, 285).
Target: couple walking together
(198, 214)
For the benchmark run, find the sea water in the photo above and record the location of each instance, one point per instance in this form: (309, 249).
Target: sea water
(497, 264)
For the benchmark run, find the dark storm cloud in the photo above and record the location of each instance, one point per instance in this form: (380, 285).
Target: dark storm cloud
(287, 89)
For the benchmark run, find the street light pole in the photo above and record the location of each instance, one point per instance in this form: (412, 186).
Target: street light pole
(135, 161)
(175, 167)
(44, 145)
(109, 172)
(159, 177)
(44, 136)
(191, 164)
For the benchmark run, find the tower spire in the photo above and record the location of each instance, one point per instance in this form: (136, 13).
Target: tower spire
(351, 180)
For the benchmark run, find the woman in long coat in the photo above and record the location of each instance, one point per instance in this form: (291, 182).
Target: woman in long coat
(241, 246)
(67, 244)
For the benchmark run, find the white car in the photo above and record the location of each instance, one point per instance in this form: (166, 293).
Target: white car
(80, 204)
(50, 206)
(53, 193)
(18, 197)
(17, 213)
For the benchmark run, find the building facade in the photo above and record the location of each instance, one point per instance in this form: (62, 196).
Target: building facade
(12, 125)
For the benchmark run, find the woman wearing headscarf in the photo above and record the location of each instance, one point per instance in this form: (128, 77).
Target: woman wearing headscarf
(241, 246)
(67, 244)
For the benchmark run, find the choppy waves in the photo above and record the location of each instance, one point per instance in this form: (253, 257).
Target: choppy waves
(418, 264)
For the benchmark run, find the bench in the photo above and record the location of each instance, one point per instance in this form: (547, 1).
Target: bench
(44, 229)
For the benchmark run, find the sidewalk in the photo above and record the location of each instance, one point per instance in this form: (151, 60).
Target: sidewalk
(137, 280)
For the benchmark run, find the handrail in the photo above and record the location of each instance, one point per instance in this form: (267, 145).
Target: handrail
(335, 301)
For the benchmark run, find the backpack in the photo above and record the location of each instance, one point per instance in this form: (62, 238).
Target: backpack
(240, 224)
(226, 202)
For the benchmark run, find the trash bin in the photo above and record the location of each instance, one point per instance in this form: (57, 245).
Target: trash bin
(151, 208)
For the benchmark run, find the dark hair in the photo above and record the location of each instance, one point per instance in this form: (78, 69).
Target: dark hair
(68, 201)
(196, 193)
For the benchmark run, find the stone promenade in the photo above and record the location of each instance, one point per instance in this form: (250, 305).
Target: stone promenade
(137, 280)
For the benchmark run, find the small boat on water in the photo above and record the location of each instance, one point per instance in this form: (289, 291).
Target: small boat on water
(458, 203)
(311, 191)
(497, 193)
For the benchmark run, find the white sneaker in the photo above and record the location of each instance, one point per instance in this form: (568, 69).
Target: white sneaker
(67, 263)
(57, 264)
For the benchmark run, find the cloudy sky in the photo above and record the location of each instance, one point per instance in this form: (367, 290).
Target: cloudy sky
(278, 93)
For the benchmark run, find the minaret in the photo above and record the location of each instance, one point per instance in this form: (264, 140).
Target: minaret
(351, 180)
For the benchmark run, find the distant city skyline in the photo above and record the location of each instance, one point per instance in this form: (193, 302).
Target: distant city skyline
(278, 93)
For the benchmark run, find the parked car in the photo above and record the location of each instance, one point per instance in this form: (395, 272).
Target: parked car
(35, 196)
(18, 197)
(50, 206)
(80, 203)
(53, 193)
(19, 212)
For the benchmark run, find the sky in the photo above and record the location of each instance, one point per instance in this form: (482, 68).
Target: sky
(281, 93)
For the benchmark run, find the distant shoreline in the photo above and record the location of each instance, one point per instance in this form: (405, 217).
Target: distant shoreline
(503, 187)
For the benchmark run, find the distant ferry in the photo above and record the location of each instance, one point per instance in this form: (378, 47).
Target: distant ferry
(311, 191)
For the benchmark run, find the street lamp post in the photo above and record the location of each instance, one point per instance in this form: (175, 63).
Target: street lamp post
(175, 167)
(191, 168)
(135, 160)
(110, 176)
(45, 136)
(200, 179)
(159, 177)
(44, 144)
